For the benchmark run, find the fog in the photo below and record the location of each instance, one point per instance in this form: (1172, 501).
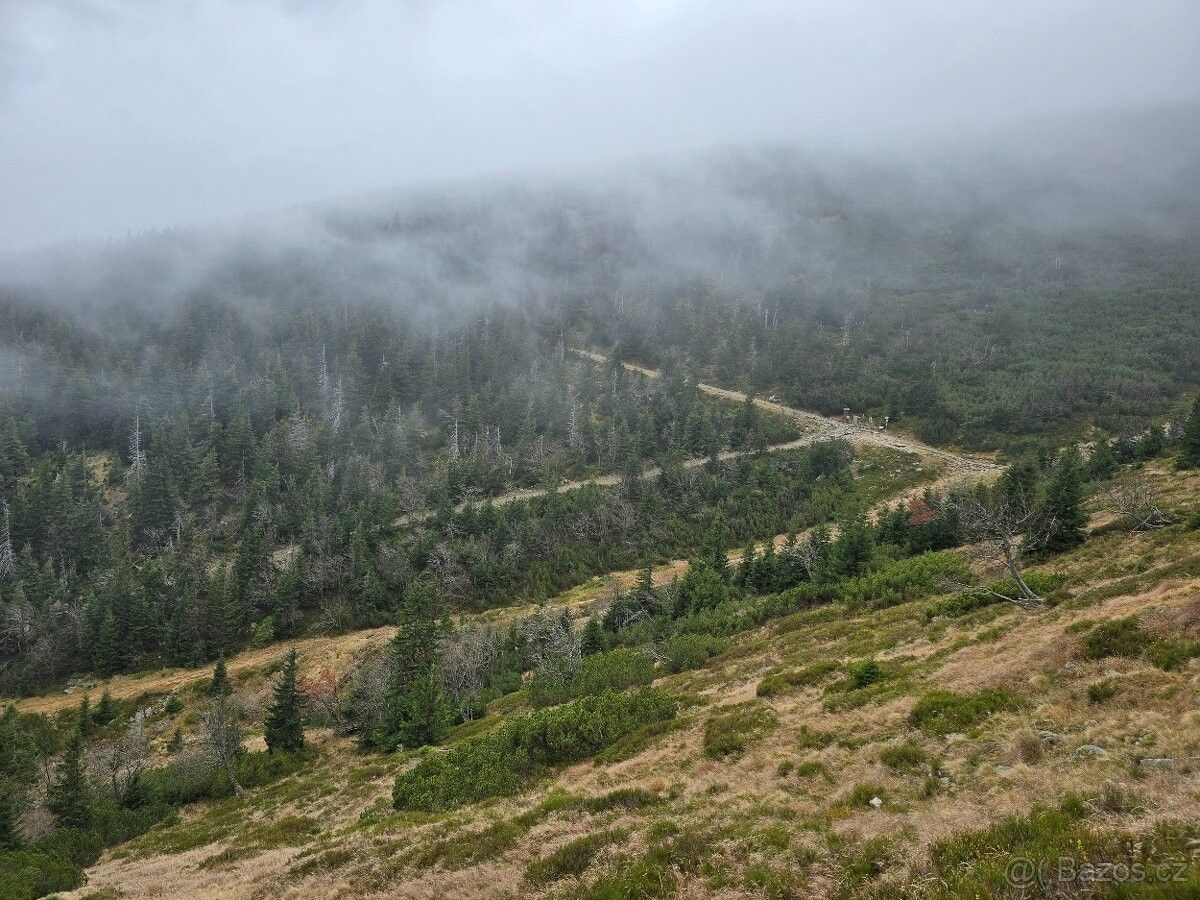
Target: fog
(128, 116)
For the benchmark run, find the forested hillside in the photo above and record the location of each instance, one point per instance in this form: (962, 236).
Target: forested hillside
(450, 416)
(208, 436)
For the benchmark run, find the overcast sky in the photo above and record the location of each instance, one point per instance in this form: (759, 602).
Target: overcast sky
(131, 114)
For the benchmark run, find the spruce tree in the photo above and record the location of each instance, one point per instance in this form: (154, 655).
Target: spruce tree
(83, 721)
(1103, 461)
(1062, 511)
(219, 686)
(422, 715)
(68, 796)
(715, 542)
(593, 639)
(106, 710)
(746, 570)
(1189, 444)
(645, 582)
(285, 725)
(10, 835)
(1152, 444)
(108, 650)
(286, 602)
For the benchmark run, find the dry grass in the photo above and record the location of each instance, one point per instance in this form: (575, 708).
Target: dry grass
(804, 786)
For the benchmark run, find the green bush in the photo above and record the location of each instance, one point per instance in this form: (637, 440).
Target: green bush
(190, 780)
(735, 730)
(945, 712)
(1042, 584)
(26, 874)
(1171, 655)
(1118, 637)
(977, 863)
(623, 798)
(904, 757)
(785, 682)
(573, 858)
(684, 652)
(866, 673)
(1100, 691)
(902, 580)
(497, 763)
(616, 670)
(863, 794)
(80, 847)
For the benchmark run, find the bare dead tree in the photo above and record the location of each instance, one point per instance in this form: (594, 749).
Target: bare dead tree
(322, 693)
(120, 763)
(1004, 528)
(554, 647)
(1136, 500)
(20, 625)
(8, 560)
(370, 692)
(808, 554)
(221, 738)
(465, 659)
(68, 615)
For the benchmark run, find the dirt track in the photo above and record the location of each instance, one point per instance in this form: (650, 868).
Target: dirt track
(817, 428)
(339, 652)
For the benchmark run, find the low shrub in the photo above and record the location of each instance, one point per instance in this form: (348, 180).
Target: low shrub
(1117, 637)
(26, 874)
(623, 798)
(1100, 691)
(1030, 748)
(945, 712)
(866, 673)
(497, 763)
(736, 729)
(616, 670)
(1042, 584)
(684, 652)
(902, 580)
(1170, 655)
(904, 757)
(785, 682)
(573, 858)
(969, 864)
(469, 848)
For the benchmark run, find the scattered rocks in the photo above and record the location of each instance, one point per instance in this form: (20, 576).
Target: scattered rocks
(1050, 737)
(1089, 751)
(954, 737)
(1003, 770)
(1157, 762)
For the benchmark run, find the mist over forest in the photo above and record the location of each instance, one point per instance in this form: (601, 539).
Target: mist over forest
(747, 452)
(965, 248)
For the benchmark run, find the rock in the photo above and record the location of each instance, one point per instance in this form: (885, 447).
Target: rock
(1090, 751)
(875, 802)
(1050, 737)
(955, 737)
(1003, 770)
(1158, 762)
